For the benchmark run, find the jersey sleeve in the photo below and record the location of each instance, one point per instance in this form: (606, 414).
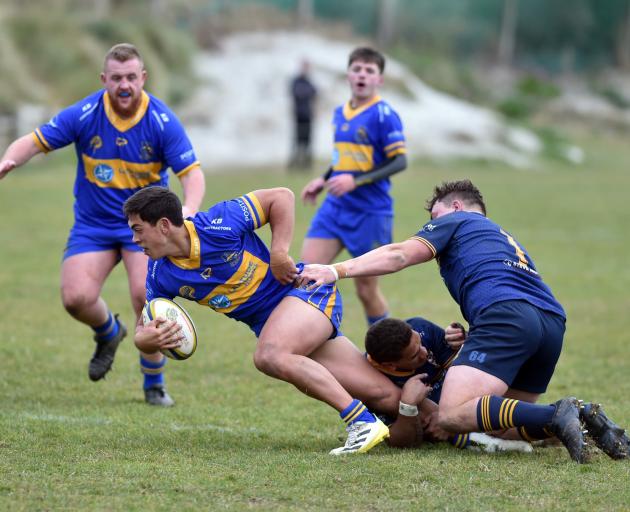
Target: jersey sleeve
(437, 233)
(153, 289)
(179, 154)
(61, 130)
(392, 136)
(235, 217)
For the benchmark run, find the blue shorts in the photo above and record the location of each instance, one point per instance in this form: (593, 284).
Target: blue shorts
(359, 232)
(517, 343)
(86, 237)
(326, 298)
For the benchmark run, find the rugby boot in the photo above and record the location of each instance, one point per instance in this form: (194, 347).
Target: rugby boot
(608, 436)
(565, 424)
(103, 356)
(362, 436)
(157, 395)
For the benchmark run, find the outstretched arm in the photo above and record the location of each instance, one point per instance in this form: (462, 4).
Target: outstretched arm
(194, 188)
(18, 153)
(383, 260)
(278, 205)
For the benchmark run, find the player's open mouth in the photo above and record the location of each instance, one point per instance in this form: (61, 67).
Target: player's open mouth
(124, 94)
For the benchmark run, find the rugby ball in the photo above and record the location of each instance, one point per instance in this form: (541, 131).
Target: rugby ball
(170, 310)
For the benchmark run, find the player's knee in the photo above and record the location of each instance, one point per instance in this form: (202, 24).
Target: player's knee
(268, 360)
(74, 302)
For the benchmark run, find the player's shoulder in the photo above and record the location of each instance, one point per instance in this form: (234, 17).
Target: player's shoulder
(86, 106)
(385, 108)
(160, 113)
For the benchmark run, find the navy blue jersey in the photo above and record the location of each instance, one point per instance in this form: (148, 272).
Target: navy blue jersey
(440, 357)
(482, 264)
(117, 157)
(365, 138)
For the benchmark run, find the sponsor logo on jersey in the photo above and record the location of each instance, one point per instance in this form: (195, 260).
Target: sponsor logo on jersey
(104, 173)
(206, 273)
(244, 208)
(146, 150)
(164, 117)
(219, 302)
(96, 143)
(361, 136)
(53, 122)
(344, 127)
(86, 107)
(232, 257)
(396, 134)
(187, 155)
(121, 141)
(187, 292)
(217, 220)
(429, 227)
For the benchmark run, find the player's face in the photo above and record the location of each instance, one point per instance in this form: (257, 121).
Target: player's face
(414, 355)
(150, 238)
(124, 82)
(365, 78)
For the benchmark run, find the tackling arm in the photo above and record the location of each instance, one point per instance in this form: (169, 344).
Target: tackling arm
(18, 153)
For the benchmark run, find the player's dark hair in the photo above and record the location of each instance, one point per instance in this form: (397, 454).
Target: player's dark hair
(386, 340)
(122, 53)
(154, 203)
(463, 190)
(366, 54)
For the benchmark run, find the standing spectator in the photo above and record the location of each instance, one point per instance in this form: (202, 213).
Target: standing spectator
(303, 93)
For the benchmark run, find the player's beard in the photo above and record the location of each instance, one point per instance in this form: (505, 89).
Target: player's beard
(130, 108)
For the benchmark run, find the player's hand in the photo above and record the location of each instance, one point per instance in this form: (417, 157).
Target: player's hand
(341, 184)
(310, 191)
(6, 166)
(414, 390)
(158, 334)
(283, 267)
(431, 429)
(315, 275)
(455, 335)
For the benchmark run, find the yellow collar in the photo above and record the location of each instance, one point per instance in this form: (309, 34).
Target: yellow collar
(194, 260)
(122, 125)
(349, 112)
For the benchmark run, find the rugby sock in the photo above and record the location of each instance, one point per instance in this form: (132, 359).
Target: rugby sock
(497, 413)
(373, 319)
(460, 440)
(530, 434)
(153, 372)
(108, 330)
(356, 411)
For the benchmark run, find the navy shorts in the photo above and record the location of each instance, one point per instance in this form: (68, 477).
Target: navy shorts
(359, 232)
(517, 343)
(90, 238)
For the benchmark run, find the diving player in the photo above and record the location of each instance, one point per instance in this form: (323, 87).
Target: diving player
(216, 260)
(516, 324)
(369, 147)
(125, 140)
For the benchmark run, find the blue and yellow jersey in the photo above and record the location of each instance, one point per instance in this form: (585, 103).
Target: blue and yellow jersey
(228, 268)
(440, 357)
(117, 157)
(365, 138)
(482, 264)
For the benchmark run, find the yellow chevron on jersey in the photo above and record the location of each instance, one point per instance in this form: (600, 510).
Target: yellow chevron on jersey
(240, 287)
(122, 125)
(194, 259)
(117, 173)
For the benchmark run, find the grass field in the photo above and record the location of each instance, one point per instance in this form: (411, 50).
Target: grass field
(239, 440)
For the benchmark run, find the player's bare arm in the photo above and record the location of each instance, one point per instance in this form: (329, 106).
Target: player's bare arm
(312, 189)
(383, 260)
(18, 153)
(194, 188)
(278, 205)
(406, 431)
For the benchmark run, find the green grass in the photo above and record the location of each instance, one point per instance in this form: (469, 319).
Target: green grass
(239, 440)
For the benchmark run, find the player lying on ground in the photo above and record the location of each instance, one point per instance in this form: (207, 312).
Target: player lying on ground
(216, 259)
(417, 349)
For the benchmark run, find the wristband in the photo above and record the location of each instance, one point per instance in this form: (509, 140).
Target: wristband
(407, 410)
(334, 271)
